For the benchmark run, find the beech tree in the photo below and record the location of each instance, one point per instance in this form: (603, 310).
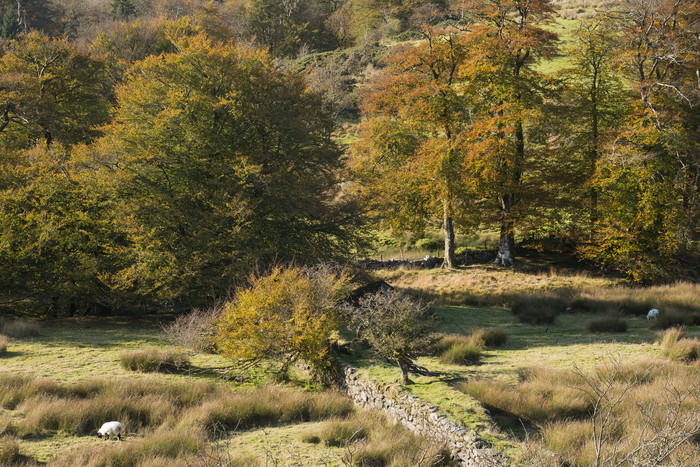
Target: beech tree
(506, 39)
(49, 91)
(221, 160)
(591, 109)
(409, 154)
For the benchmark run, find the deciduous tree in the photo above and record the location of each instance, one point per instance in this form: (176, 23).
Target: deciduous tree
(506, 39)
(286, 315)
(221, 160)
(409, 154)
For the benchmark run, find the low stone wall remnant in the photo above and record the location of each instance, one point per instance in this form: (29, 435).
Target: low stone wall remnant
(422, 418)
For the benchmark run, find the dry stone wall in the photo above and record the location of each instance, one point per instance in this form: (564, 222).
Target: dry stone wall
(422, 418)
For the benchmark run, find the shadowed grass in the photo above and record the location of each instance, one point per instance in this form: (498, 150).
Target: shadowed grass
(18, 328)
(607, 324)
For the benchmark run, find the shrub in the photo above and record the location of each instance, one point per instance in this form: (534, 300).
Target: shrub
(195, 330)
(3, 344)
(538, 310)
(396, 327)
(19, 328)
(154, 360)
(609, 324)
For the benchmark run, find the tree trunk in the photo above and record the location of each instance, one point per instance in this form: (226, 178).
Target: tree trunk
(404, 373)
(450, 260)
(593, 191)
(506, 248)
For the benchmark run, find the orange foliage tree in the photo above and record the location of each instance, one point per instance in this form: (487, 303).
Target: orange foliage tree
(505, 39)
(409, 155)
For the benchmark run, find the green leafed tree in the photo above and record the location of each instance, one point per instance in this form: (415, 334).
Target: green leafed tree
(222, 160)
(648, 176)
(409, 156)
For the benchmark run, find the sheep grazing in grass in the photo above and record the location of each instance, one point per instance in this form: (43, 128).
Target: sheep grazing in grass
(110, 429)
(653, 314)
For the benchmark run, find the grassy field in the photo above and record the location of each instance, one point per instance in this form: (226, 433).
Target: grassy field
(58, 386)
(480, 297)
(59, 380)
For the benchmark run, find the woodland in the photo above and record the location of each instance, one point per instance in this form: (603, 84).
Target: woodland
(154, 152)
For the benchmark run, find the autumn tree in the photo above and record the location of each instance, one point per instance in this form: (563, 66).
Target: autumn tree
(49, 91)
(56, 234)
(583, 119)
(286, 315)
(506, 39)
(221, 160)
(415, 117)
(649, 174)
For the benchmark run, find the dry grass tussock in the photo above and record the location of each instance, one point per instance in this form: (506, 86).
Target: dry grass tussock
(18, 328)
(457, 349)
(3, 344)
(678, 347)
(368, 439)
(170, 423)
(578, 292)
(154, 360)
(643, 414)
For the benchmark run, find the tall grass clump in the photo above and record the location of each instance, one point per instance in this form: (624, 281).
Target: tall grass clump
(9, 452)
(154, 360)
(162, 448)
(607, 324)
(675, 318)
(3, 344)
(392, 444)
(678, 347)
(538, 309)
(338, 432)
(19, 328)
(456, 349)
(490, 337)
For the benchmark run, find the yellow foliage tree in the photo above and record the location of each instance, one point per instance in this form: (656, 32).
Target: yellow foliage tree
(287, 315)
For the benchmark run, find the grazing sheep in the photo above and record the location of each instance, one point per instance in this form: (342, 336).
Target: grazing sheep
(110, 429)
(653, 314)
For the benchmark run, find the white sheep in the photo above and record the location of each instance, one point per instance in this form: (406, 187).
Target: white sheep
(653, 314)
(110, 429)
